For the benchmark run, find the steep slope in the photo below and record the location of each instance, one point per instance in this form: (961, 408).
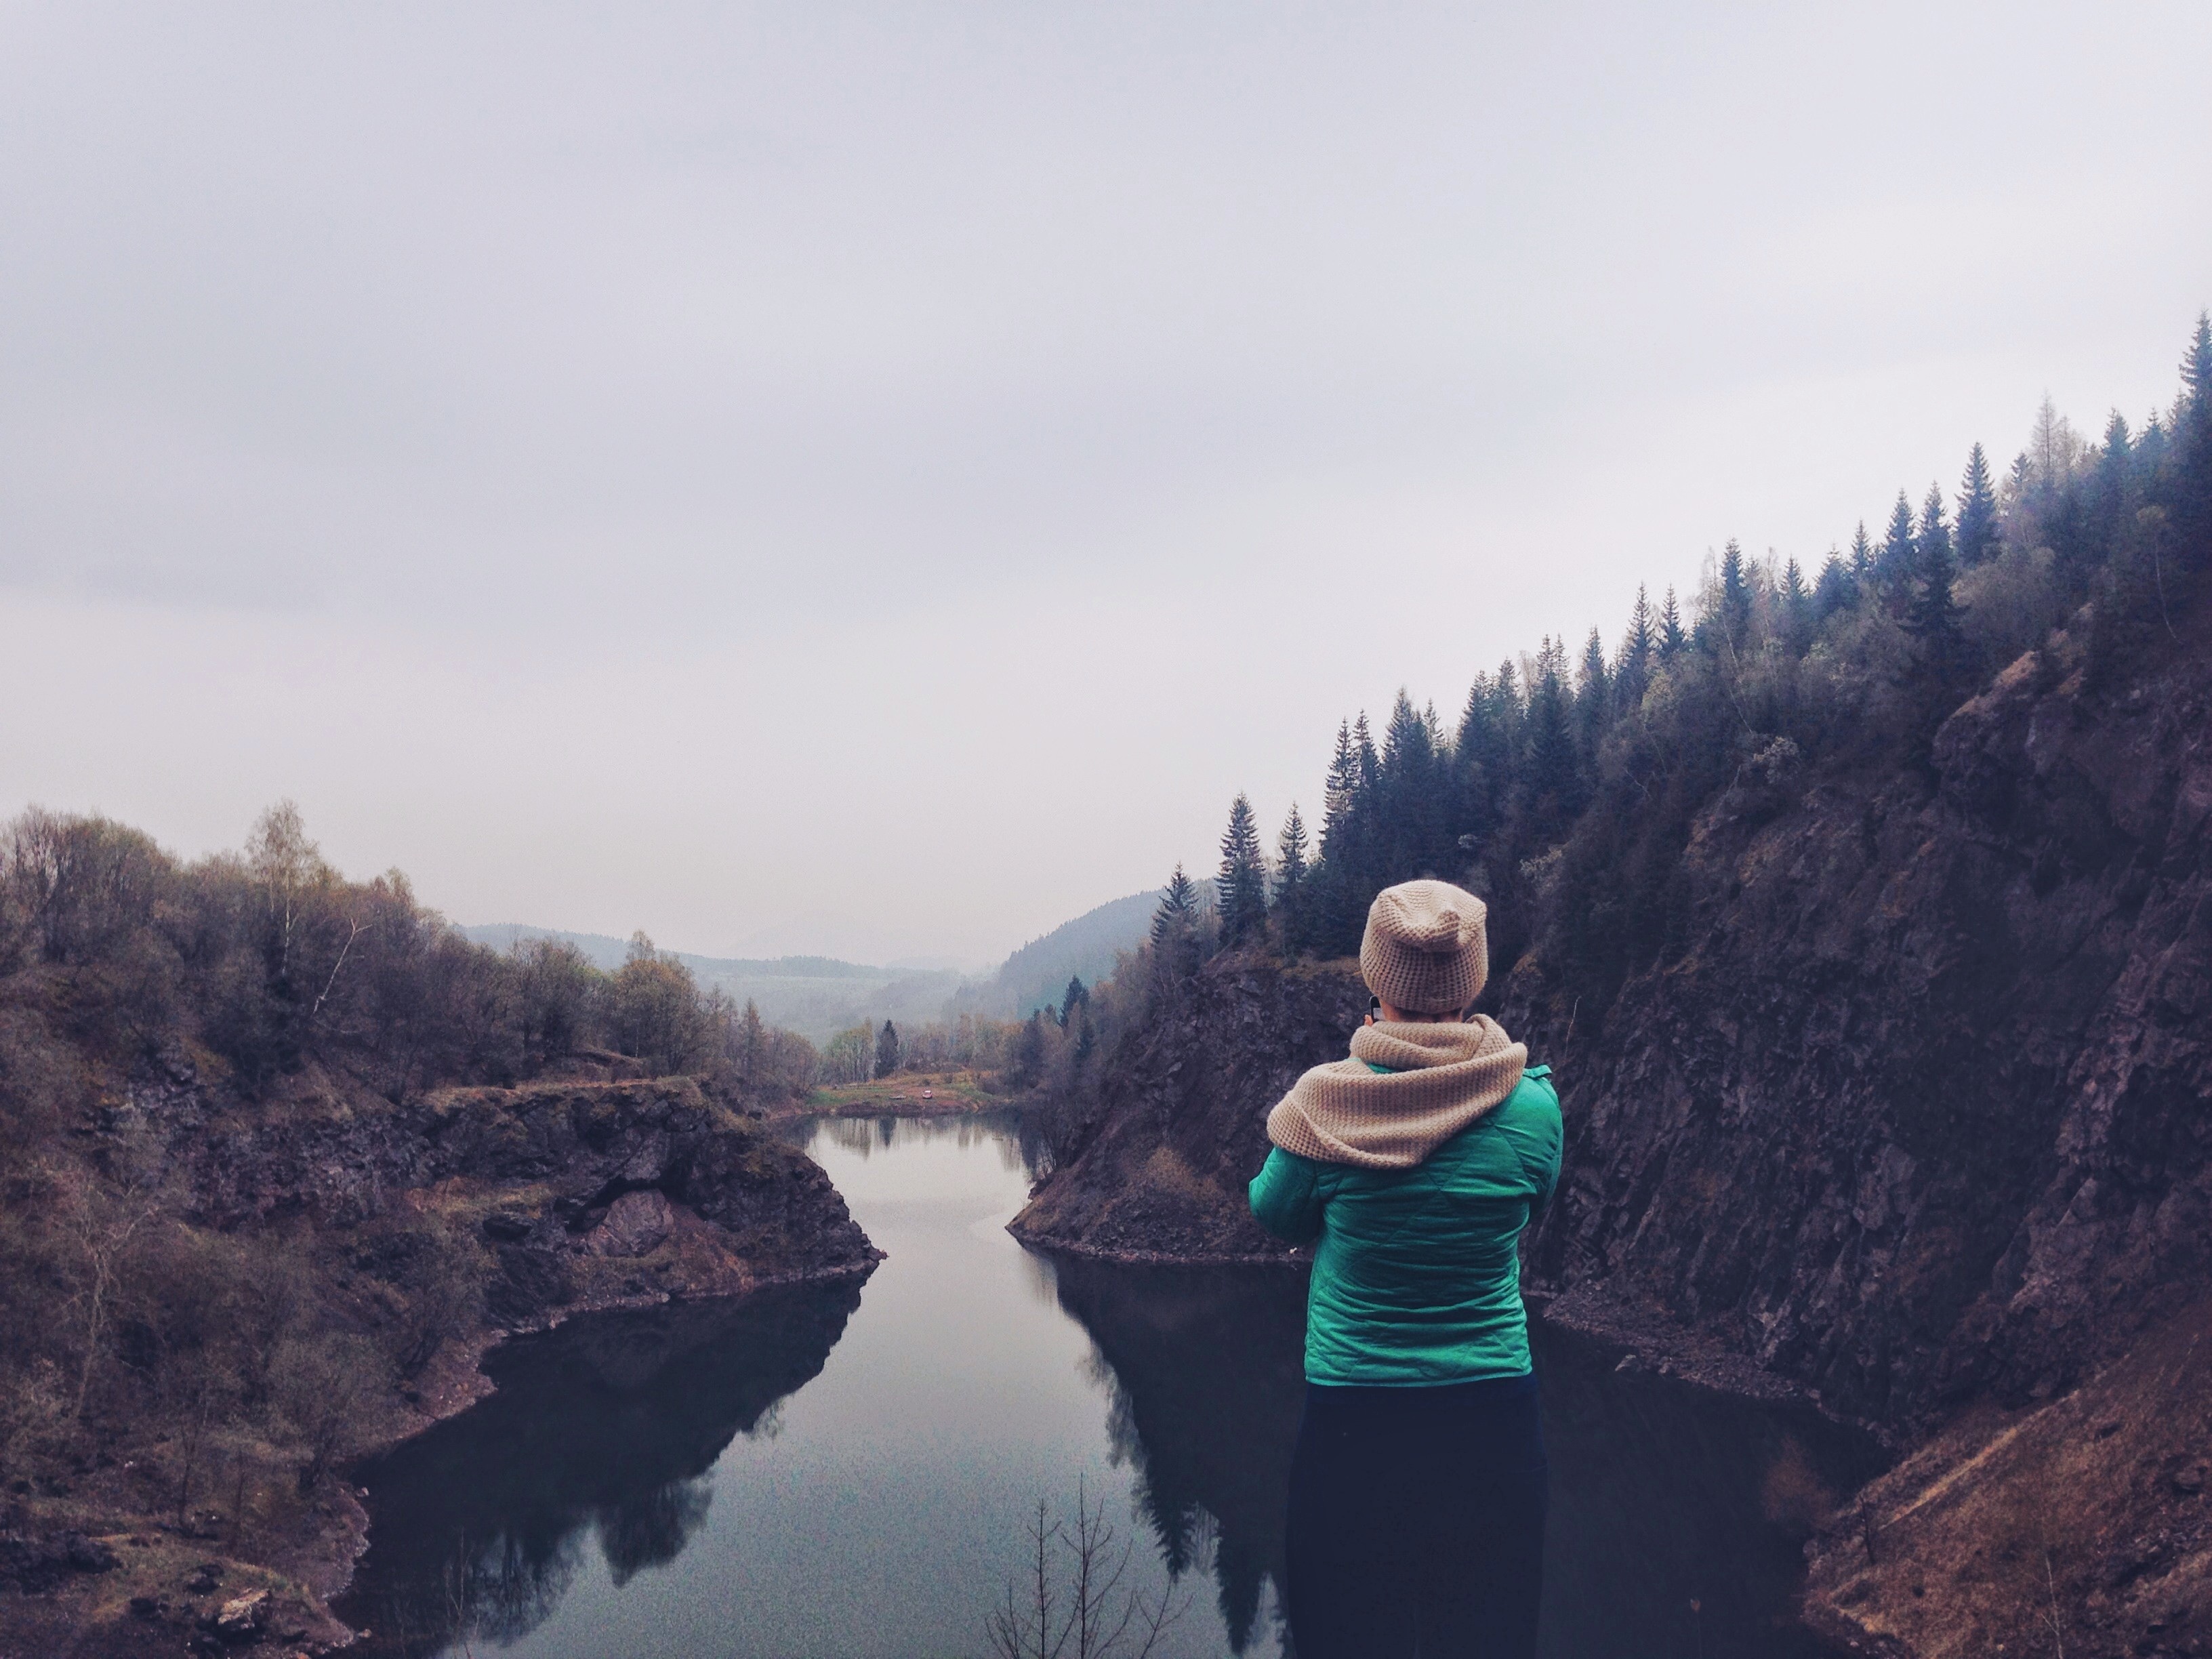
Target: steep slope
(1919, 1108)
(1037, 976)
(1159, 1172)
(348, 1260)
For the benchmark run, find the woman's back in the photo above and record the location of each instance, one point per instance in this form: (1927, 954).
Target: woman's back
(1416, 1277)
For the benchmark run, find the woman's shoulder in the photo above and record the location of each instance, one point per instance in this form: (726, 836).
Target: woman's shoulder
(1534, 1099)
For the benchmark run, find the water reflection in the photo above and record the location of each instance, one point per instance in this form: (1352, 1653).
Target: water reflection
(1201, 1370)
(604, 1429)
(1020, 1147)
(715, 1480)
(1679, 1516)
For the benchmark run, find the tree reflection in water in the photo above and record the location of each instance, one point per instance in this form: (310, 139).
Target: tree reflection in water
(1204, 1378)
(608, 1427)
(1678, 1515)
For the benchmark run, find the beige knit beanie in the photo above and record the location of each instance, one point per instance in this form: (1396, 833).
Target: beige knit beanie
(1426, 949)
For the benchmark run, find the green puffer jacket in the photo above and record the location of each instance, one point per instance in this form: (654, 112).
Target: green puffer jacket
(1416, 1279)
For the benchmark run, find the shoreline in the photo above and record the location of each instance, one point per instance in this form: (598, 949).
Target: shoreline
(468, 1385)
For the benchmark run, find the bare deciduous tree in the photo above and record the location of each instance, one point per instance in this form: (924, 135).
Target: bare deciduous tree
(1070, 1603)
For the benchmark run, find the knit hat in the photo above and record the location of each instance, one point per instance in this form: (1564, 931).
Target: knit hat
(1425, 948)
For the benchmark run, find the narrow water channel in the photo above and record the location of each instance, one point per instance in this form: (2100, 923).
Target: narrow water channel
(849, 1471)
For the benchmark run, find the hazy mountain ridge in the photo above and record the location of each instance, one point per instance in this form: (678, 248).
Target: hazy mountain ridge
(819, 996)
(1087, 948)
(815, 996)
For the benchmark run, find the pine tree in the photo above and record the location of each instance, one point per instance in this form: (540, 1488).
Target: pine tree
(1672, 639)
(1370, 764)
(1894, 565)
(1796, 607)
(1633, 675)
(2196, 381)
(1732, 614)
(1977, 511)
(1077, 996)
(1836, 588)
(1413, 806)
(752, 1046)
(1931, 541)
(1932, 614)
(1593, 694)
(1292, 856)
(887, 1050)
(1241, 889)
(1554, 767)
(2119, 442)
(1861, 556)
(2151, 446)
(1178, 900)
(1483, 758)
(1293, 865)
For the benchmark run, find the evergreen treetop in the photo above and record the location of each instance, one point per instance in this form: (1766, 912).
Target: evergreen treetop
(1241, 889)
(1178, 900)
(1977, 510)
(1672, 639)
(1892, 565)
(1931, 541)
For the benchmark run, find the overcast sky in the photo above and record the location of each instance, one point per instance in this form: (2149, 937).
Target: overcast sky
(878, 480)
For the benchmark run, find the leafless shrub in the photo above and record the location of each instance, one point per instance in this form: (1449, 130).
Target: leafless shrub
(1071, 1601)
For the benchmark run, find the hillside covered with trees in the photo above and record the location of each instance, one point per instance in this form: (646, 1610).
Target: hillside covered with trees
(280, 1154)
(1865, 913)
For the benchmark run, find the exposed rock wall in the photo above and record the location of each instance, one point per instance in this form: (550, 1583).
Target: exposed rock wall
(583, 1192)
(1922, 1108)
(1181, 1128)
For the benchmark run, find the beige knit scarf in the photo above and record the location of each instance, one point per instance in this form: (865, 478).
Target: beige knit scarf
(1442, 1077)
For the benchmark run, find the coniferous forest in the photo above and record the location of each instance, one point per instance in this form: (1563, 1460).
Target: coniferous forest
(1565, 787)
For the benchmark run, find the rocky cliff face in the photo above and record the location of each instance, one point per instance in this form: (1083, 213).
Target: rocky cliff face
(1919, 1112)
(582, 1192)
(1160, 1172)
(1916, 1118)
(418, 1233)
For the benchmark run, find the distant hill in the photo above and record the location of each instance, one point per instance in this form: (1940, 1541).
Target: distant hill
(1085, 948)
(815, 996)
(818, 997)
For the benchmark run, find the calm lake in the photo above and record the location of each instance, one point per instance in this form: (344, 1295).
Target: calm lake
(849, 1471)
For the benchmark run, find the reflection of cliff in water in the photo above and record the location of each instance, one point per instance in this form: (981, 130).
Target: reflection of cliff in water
(1663, 1494)
(1206, 1381)
(1679, 1514)
(608, 1426)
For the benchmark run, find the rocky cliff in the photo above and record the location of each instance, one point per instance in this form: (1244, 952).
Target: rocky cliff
(1915, 1117)
(408, 1239)
(1158, 1172)
(582, 1192)
(1919, 1110)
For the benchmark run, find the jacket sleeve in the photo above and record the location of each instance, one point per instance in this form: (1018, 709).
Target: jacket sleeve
(1287, 1196)
(1543, 1166)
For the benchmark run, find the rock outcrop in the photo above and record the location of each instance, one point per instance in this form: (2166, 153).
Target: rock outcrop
(1919, 1110)
(1160, 1174)
(586, 1194)
(1916, 1118)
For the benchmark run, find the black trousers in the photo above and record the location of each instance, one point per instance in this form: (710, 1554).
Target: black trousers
(1417, 1522)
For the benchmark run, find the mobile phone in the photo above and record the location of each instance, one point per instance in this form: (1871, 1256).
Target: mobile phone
(1374, 1011)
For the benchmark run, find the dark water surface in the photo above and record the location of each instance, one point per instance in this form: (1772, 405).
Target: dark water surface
(848, 1471)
